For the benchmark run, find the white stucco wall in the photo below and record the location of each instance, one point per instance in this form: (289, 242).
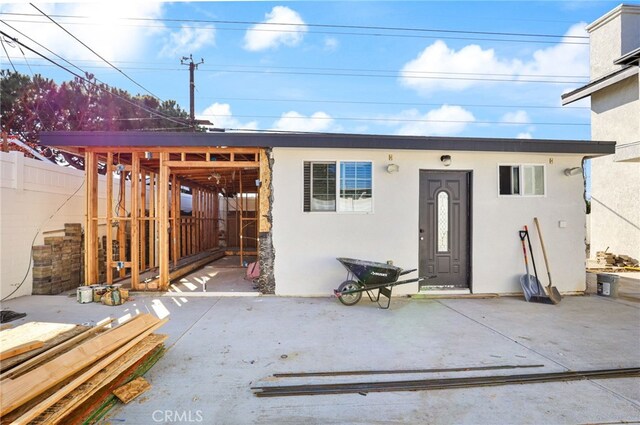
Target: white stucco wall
(611, 36)
(306, 244)
(615, 115)
(33, 200)
(615, 185)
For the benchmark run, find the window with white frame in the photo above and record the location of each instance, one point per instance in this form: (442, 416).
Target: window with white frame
(521, 180)
(343, 186)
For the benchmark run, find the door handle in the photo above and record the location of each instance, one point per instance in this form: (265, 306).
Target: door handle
(421, 238)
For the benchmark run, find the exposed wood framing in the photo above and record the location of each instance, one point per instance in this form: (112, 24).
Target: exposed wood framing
(143, 212)
(91, 221)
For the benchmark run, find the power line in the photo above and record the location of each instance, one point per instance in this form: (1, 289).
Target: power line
(149, 110)
(369, 34)
(7, 53)
(368, 27)
(552, 79)
(328, 118)
(393, 73)
(94, 52)
(363, 102)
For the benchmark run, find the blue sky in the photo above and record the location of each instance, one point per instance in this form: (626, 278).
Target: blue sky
(418, 68)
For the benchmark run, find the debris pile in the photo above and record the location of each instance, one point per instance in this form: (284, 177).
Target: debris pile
(608, 259)
(71, 376)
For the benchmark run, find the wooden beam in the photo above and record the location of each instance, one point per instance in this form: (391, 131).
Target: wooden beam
(91, 225)
(153, 224)
(108, 249)
(213, 164)
(135, 231)
(143, 222)
(163, 221)
(122, 212)
(175, 214)
(172, 149)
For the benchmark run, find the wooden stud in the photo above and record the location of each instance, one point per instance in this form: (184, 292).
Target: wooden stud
(163, 221)
(143, 220)
(91, 224)
(135, 210)
(122, 212)
(152, 223)
(109, 213)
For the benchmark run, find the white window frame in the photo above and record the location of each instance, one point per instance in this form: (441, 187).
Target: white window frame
(521, 167)
(337, 192)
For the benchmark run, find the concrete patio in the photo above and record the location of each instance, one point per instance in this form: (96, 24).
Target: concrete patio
(219, 347)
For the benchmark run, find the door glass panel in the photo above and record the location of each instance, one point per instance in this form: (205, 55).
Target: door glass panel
(443, 222)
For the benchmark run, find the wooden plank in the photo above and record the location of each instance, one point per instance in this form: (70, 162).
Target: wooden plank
(16, 392)
(109, 245)
(32, 331)
(133, 389)
(56, 348)
(110, 375)
(22, 348)
(76, 382)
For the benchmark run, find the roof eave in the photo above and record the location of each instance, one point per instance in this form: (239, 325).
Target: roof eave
(323, 140)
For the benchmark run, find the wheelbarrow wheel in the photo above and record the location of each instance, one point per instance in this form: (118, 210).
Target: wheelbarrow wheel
(349, 299)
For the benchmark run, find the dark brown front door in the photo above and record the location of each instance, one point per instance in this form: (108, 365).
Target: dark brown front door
(444, 228)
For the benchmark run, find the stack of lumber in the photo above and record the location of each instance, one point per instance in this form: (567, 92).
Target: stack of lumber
(608, 259)
(72, 380)
(57, 265)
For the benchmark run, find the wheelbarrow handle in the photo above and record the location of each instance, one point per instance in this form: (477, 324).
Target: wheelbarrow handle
(407, 271)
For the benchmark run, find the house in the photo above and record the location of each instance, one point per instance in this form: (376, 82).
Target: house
(449, 206)
(614, 91)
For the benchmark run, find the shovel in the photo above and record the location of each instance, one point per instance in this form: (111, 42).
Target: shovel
(530, 284)
(554, 294)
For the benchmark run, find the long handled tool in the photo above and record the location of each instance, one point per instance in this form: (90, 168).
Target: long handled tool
(554, 294)
(533, 262)
(530, 284)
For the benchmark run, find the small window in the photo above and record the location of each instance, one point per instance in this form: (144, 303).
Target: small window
(443, 221)
(347, 182)
(319, 186)
(523, 180)
(355, 186)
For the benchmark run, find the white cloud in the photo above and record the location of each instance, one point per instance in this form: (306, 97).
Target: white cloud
(269, 35)
(439, 60)
(221, 116)
(294, 121)
(331, 44)
(102, 29)
(446, 120)
(188, 40)
(524, 135)
(520, 117)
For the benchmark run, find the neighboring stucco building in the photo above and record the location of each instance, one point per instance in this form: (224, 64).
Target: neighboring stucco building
(614, 90)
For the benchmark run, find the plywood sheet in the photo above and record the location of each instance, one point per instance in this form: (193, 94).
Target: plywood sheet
(31, 331)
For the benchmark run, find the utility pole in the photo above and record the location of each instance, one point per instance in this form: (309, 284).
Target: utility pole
(192, 86)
